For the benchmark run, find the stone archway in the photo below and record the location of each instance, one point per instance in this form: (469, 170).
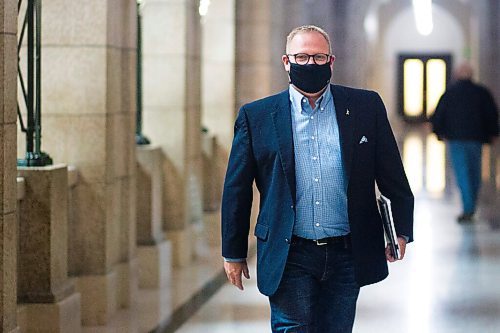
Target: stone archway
(390, 29)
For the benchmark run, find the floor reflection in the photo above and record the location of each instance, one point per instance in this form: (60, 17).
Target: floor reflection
(424, 158)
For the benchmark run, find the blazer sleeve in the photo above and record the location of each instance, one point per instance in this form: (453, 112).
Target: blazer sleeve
(390, 175)
(238, 192)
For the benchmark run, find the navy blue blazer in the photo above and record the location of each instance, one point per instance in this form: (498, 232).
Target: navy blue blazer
(262, 151)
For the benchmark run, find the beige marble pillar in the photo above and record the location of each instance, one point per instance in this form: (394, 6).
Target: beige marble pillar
(194, 159)
(154, 252)
(48, 301)
(172, 119)
(253, 41)
(8, 232)
(88, 106)
(212, 186)
(218, 70)
(218, 100)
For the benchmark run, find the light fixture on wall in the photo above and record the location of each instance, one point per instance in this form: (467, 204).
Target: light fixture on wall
(203, 7)
(423, 16)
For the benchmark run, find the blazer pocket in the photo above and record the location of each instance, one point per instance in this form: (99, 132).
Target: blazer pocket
(261, 231)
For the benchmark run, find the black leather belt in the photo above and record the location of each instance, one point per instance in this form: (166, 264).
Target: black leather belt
(337, 240)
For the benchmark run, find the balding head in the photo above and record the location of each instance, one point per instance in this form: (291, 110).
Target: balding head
(464, 71)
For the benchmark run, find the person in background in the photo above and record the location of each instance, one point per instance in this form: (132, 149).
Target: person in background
(466, 117)
(315, 152)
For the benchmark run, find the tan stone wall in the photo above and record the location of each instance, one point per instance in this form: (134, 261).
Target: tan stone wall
(164, 82)
(218, 70)
(88, 107)
(172, 117)
(8, 87)
(253, 40)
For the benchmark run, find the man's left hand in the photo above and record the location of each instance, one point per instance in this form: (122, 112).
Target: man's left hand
(402, 248)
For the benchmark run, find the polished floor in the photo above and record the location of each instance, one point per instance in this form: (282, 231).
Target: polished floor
(449, 281)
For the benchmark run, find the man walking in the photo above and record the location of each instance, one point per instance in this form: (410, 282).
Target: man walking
(315, 152)
(466, 117)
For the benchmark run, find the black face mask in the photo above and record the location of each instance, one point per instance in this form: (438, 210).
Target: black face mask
(310, 78)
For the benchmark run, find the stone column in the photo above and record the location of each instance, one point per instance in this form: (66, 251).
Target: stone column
(218, 71)
(48, 298)
(488, 72)
(171, 63)
(153, 251)
(253, 40)
(194, 159)
(88, 101)
(8, 232)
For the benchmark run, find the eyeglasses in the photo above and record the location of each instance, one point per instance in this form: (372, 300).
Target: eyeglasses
(318, 58)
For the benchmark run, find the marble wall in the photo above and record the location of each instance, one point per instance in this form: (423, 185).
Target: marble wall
(88, 106)
(8, 232)
(253, 59)
(172, 113)
(218, 71)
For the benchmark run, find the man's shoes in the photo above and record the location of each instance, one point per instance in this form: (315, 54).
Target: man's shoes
(465, 218)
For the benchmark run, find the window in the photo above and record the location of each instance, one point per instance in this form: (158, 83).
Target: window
(422, 81)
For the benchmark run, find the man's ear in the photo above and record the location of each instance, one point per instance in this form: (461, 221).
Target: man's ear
(286, 62)
(332, 60)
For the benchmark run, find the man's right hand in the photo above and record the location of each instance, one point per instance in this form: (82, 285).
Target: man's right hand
(234, 270)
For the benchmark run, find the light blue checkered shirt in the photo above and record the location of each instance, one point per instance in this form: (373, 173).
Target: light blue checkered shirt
(321, 207)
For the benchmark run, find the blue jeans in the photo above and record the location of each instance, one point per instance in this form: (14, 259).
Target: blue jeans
(466, 162)
(318, 291)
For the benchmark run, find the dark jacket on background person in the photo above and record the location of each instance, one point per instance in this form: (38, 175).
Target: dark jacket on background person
(466, 111)
(263, 150)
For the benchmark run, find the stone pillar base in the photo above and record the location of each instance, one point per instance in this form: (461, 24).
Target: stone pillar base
(99, 297)
(182, 247)
(155, 264)
(153, 307)
(127, 283)
(63, 316)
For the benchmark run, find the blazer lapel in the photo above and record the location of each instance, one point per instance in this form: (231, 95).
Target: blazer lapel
(282, 120)
(346, 122)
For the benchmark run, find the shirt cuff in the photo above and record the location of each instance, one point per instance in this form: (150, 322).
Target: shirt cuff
(405, 237)
(235, 259)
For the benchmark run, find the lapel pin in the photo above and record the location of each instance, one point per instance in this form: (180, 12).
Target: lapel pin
(347, 112)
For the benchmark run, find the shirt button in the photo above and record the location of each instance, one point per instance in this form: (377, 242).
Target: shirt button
(322, 109)
(291, 206)
(317, 202)
(287, 240)
(312, 117)
(315, 158)
(316, 179)
(317, 224)
(312, 137)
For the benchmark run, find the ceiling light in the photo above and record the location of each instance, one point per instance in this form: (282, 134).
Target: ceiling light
(423, 16)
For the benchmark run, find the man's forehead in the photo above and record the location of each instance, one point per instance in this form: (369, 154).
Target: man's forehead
(301, 35)
(309, 37)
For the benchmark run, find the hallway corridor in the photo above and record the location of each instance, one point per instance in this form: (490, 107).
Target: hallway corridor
(447, 283)
(116, 127)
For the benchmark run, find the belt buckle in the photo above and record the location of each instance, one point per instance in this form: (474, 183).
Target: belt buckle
(320, 243)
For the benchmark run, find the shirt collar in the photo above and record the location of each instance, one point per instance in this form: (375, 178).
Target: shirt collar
(298, 99)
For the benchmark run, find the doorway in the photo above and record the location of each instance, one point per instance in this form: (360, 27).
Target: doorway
(422, 79)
